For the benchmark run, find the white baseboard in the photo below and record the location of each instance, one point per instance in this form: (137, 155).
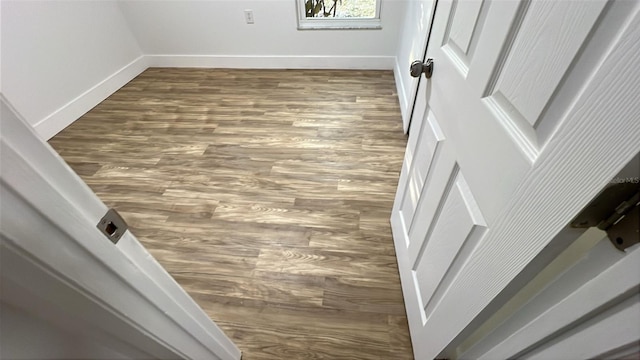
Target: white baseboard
(70, 112)
(74, 109)
(403, 98)
(273, 62)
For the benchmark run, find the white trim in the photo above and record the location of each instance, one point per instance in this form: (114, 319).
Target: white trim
(273, 62)
(550, 313)
(402, 95)
(74, 109)
(614, 329)
(339, 24)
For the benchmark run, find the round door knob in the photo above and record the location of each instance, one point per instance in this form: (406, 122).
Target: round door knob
(418, 67)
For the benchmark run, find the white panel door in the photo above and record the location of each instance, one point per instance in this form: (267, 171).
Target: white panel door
(57, 267)
(532, 108)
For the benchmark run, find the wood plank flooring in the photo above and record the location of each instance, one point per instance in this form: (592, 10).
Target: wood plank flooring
(267, 195)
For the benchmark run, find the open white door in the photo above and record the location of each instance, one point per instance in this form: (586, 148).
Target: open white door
(58, 268)
(532, 109)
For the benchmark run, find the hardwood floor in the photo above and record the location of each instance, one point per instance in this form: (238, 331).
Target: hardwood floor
(267, 195)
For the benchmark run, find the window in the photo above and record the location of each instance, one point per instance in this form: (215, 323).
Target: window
(339, 14)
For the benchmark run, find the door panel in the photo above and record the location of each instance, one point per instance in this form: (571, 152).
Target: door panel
(464, 20)
(465, 16)
(528, 78)
(520, 80)
(503, 142)
(457, 221)
(467, 122)
(432, 199)
(429, 138)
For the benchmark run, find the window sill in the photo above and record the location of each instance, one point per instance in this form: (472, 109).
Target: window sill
(342, 24)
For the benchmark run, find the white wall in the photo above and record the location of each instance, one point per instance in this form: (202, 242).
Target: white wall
(25, 336)
(214, 33)
(61, 58)
(413, 35)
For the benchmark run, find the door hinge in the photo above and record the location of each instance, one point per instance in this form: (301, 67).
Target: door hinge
(112, 225)
(615, 210)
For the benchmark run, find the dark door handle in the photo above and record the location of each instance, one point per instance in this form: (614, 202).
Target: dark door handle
(418, 67)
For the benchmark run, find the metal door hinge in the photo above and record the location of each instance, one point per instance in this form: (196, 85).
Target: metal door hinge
(112, 225)
(617, 211)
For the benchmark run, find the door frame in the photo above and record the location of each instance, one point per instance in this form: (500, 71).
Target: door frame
(55, 261)
(423, 58)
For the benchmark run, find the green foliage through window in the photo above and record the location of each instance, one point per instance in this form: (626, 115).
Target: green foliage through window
(317, 8)
(340, 8)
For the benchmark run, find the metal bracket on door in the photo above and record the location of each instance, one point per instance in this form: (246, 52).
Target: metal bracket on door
(112, 225)
(617, 211)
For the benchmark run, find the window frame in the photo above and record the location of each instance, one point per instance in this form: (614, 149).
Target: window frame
(331, 23)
